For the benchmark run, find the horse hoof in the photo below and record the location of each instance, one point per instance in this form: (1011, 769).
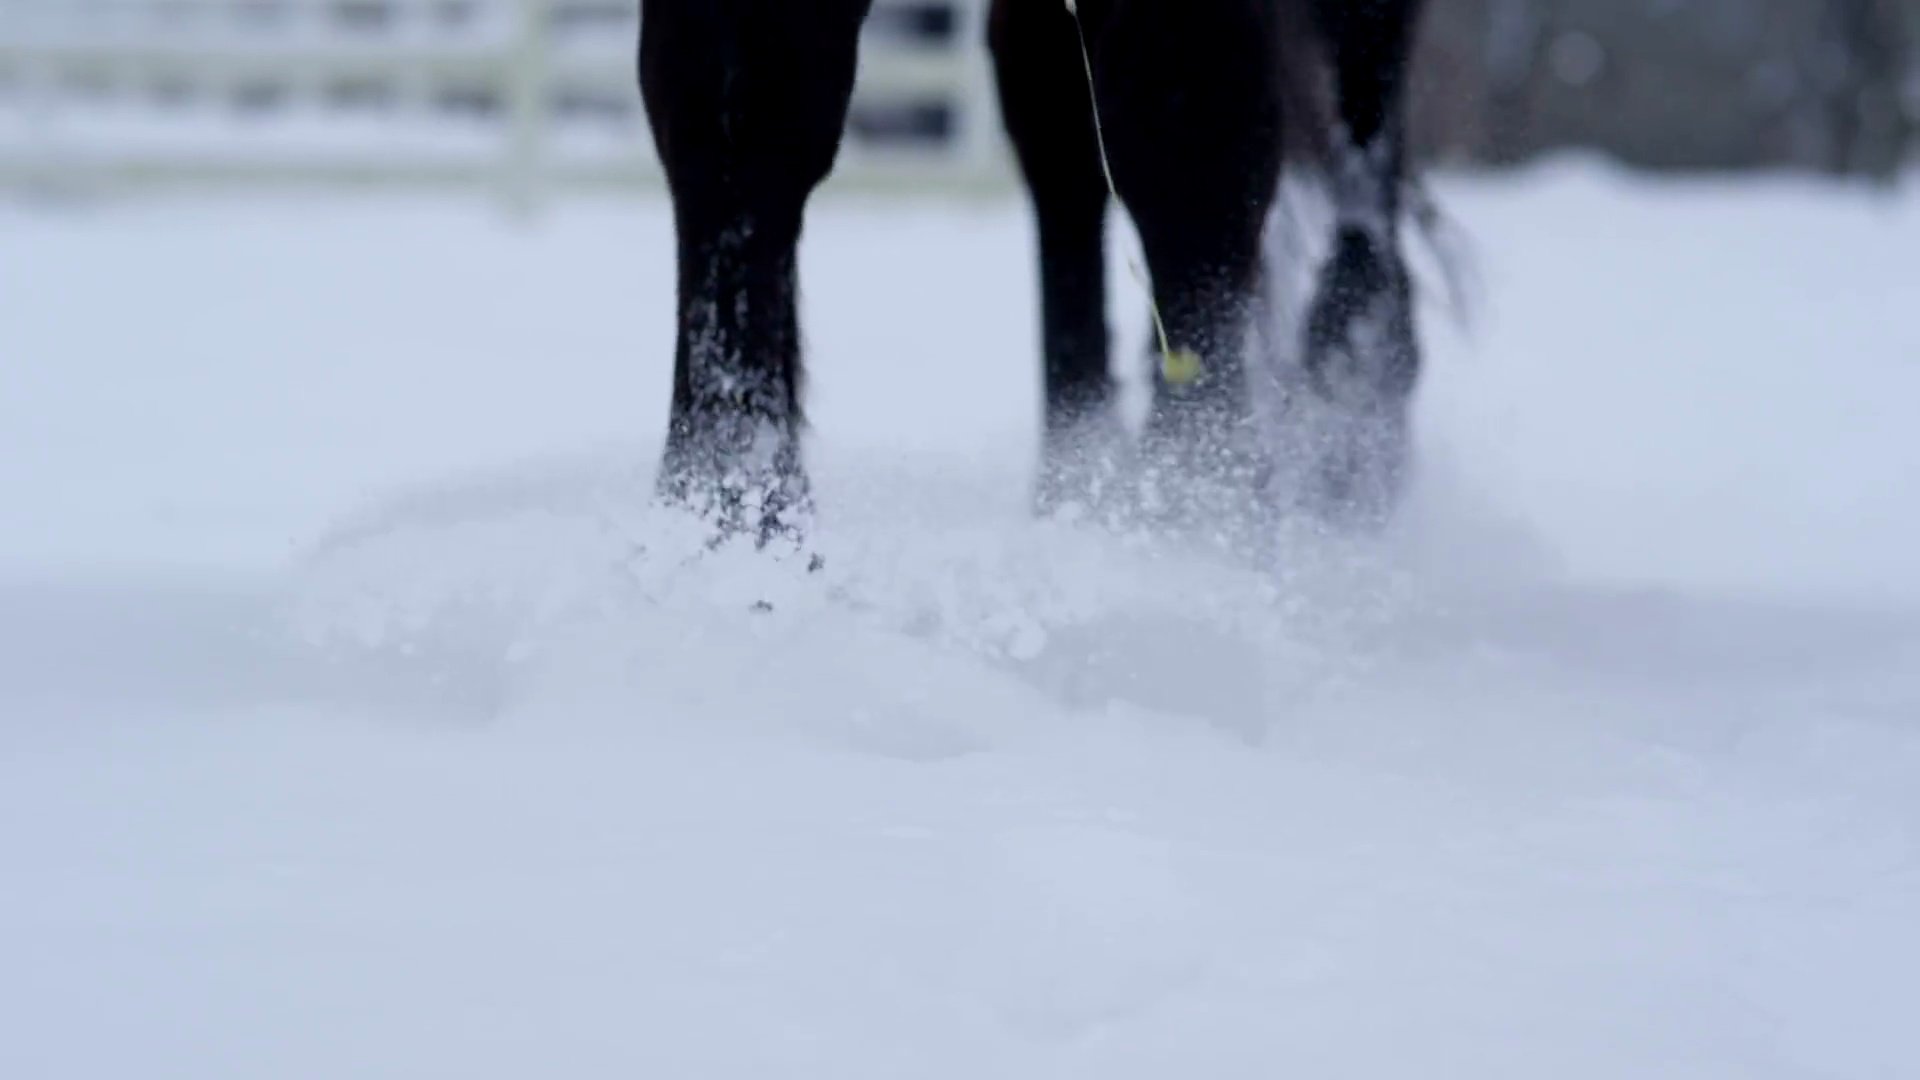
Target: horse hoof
(1358, 470)
(1089, 474)
(772, 508)
(1361, 349)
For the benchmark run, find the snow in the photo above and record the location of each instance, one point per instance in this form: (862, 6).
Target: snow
(358, 717)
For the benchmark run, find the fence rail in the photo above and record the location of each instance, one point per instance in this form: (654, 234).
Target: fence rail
(525, 96)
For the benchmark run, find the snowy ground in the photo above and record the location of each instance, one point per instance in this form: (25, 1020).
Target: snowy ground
(358, 718)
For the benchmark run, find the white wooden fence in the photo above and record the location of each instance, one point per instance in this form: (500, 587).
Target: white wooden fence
(527, 96)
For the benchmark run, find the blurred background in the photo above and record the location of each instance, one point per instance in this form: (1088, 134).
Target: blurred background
(536, 97)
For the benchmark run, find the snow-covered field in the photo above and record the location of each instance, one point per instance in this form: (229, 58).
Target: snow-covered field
(358, 718)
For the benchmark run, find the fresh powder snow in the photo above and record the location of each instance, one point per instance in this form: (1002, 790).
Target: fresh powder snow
(359, 717)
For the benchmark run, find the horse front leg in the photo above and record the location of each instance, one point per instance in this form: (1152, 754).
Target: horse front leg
(747, 100)
(1046, 106)
(1362, 353)
(1191, 98)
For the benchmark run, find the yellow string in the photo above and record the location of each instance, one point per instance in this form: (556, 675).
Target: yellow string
(1178, 368)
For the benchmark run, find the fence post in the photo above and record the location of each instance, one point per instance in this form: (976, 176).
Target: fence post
(528, 109)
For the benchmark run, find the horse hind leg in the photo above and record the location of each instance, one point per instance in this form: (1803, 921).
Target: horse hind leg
(1191, 99)
(746, 99)
(1362, 353)
(1046, 107)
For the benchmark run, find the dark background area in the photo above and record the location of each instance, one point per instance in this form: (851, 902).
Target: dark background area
(1818, 85)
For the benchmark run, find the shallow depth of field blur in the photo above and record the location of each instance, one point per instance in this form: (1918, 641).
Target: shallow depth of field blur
(361, 716)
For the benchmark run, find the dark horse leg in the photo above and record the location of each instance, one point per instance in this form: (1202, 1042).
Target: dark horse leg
(1045, 103)
(1191, 96)
(1190, 100)
(1362, 356)
(747, 99)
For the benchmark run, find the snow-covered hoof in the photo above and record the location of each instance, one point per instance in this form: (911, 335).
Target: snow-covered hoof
(1203, 478)
(1089, 473)
(769, 502)
(1358, 470)
(1361, 363)
(1361, 352)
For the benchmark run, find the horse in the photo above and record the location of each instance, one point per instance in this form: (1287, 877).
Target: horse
(1185, 111)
